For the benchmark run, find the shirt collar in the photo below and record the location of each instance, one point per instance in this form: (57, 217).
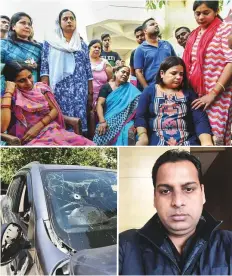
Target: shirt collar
(154, 230)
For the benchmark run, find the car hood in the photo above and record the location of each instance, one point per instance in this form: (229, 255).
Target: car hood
(97, 261)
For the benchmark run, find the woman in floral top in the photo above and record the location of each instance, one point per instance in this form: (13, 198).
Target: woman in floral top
(66, 67)
(164, 115)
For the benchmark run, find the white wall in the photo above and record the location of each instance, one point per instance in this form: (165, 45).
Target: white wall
(44, 12)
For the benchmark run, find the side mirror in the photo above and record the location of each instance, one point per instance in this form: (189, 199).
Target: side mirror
(12, 242)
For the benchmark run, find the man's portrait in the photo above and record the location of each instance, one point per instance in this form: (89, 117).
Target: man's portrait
(179, 233)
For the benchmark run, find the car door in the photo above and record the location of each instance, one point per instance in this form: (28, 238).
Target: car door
(18, 208)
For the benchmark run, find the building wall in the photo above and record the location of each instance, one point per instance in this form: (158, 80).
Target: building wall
(218, 189)
(45, 12)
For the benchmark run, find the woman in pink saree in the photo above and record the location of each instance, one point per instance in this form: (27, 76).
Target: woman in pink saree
(30, 112)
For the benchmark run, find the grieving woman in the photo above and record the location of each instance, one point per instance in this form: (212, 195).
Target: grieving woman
(19, 45)
(66, 67)
(208, 60)
(116, 107)
(164, 115)
(101, 69)
(30, 111)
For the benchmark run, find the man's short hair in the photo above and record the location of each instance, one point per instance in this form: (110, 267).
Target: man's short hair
(173, 156)
(5, 17)
(103, 36)
(144, 25)
(138, 29)
(186, 28)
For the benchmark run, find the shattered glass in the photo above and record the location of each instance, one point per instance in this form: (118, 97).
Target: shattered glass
(83, 206)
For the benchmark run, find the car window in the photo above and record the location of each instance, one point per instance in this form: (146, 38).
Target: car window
(18, 193)
(15, 190)
(83, 203)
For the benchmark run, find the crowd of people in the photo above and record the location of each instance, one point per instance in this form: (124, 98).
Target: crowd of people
(164, 99)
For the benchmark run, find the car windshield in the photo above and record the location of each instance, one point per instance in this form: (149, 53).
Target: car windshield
(83, 206)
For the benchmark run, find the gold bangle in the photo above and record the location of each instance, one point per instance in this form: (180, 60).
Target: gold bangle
(5, 97)
(214, 92)
(43, 122)
(8, 93)
(6, 106)
(49, 117)
(139, 134)
(222, 86)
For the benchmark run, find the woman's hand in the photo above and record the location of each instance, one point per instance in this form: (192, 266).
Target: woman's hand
(10, 87)
(143, 140)
(102, 128)
(205, 139)
(203, 101)
(32, 132)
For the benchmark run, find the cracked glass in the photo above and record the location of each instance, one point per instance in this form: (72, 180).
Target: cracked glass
(82, 206)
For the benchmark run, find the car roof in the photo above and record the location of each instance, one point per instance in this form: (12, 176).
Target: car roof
(37, 165)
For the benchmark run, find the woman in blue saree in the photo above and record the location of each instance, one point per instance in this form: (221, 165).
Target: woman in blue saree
(116, 109)
(19, 47)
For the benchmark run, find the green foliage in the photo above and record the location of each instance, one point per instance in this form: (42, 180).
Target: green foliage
(155, 4)
(158, 4)
(221, 2)
(12, 159)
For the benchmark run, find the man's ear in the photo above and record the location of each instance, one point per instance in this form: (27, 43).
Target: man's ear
(203, 193)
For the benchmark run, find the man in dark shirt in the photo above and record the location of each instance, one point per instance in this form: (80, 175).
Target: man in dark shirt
(182, 35)
(182, 238)
(140, 37)
(151, 53)
(112, 57)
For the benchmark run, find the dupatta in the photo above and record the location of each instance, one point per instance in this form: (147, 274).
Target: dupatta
(61, 54)
(33, 102)
(120, 109)
(196, 78)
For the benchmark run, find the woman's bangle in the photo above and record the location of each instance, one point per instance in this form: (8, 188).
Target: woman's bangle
(5, 97)
(139, 134)
(223, 87)
(215, 92)
(42, 121)
(49, 117)
(6, 106)
(102, 122)
(8, 93)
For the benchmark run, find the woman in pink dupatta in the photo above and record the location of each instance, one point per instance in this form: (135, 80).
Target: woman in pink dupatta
(208, 60)
(31, 113)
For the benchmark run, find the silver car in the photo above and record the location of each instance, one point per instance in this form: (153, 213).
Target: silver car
(60, 220)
